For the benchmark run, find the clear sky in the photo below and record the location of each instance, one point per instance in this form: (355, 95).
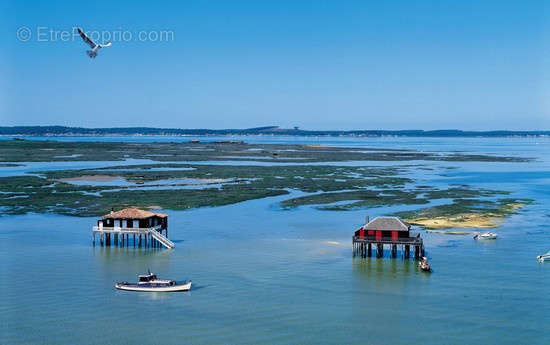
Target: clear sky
(472, 65)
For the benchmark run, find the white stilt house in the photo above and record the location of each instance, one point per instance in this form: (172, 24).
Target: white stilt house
(145, 227)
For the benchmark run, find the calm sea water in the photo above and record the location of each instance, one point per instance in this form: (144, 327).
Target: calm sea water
(265, 275)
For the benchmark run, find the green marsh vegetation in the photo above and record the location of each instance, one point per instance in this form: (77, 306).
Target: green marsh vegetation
(50, 151)
(174, 181)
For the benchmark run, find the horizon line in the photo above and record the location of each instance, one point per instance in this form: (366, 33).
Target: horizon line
(270, 128)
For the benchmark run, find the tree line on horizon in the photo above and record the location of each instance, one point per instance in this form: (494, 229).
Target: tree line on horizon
(267, 130)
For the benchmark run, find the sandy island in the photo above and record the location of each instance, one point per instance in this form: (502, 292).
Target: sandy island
(467, 220)
(92, 178)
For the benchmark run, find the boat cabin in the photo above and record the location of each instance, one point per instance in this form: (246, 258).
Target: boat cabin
(145, 278)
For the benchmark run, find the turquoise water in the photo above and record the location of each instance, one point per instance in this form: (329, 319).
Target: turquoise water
(265, 275)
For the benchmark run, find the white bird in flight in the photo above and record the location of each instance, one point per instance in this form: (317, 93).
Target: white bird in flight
(95, 47)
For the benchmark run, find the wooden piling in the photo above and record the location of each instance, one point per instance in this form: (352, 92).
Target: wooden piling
(379, 250)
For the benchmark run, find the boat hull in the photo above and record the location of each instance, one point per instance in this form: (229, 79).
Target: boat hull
(136, 287)
(543, 258)
(485, 237)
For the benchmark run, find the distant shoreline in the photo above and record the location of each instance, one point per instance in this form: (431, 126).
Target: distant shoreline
(61, 131)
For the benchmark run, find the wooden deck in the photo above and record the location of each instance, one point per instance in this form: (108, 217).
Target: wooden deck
(150, 236)
(413, 241)
(118, 229)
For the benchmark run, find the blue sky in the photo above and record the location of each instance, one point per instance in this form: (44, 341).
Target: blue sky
(472, 65)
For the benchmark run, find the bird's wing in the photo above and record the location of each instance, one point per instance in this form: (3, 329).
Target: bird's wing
(108, 44)
(86, 38)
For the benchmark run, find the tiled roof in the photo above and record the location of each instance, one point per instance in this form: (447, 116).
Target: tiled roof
(133, 213)
(387, 224)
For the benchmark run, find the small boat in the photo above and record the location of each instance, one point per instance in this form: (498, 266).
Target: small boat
(424, 265)
(544, 257)
(150, 283)
(486, 236)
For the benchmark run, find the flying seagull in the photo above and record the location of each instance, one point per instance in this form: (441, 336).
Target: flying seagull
(95, 47)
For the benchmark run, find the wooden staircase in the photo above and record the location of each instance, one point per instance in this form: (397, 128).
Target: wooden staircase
(162, 239)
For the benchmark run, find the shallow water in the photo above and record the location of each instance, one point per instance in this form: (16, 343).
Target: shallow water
(266, 275)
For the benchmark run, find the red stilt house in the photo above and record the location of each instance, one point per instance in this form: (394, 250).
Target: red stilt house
(388, 227)
(386, 231)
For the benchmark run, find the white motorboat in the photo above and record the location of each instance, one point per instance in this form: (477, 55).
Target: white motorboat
(150, 283)
(486, 236)
(544, 257)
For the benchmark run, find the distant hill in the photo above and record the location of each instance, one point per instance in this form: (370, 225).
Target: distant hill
(267, 130)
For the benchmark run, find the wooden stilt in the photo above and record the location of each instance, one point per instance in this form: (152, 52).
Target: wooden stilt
(379, 250)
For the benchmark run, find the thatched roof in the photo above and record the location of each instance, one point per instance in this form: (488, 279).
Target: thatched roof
(133, 213)
(387, 224)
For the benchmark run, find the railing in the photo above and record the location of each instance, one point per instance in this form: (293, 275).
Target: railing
(416, 240)
(163, 239)
(125, 229)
